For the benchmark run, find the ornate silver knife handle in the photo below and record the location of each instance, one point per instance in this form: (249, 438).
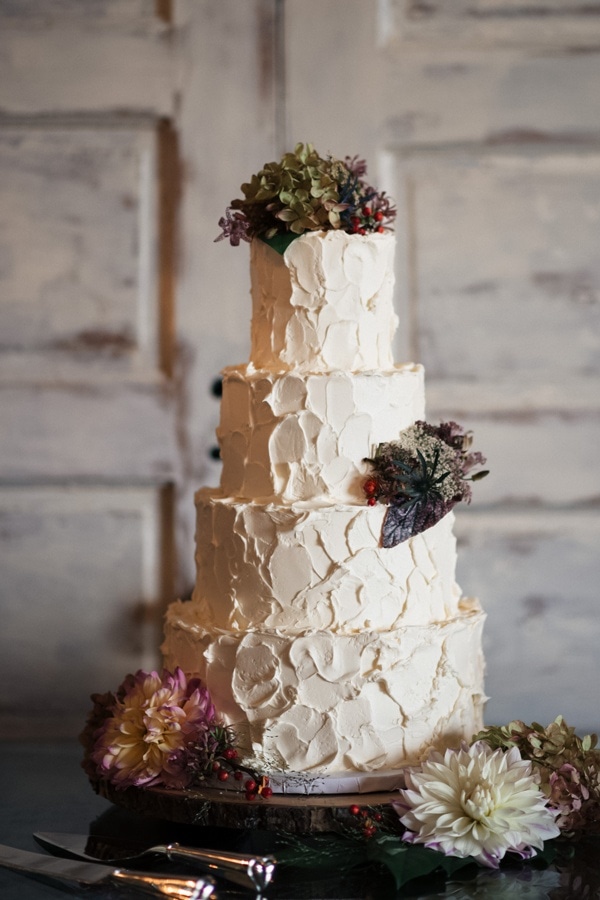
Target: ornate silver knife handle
(161, 886)
(258, 870)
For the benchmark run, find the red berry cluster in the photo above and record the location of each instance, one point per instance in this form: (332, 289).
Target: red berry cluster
(260, 788)
(369, 820)
(225, 767)
(371, 489)
(367, 220)
(222, 772)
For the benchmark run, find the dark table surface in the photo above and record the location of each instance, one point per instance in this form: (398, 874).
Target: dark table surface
(42, 788)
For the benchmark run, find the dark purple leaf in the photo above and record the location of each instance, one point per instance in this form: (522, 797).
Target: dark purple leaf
(403, 522)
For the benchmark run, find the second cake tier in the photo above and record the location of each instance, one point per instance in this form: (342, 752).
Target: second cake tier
(308, 566)
(294, 436)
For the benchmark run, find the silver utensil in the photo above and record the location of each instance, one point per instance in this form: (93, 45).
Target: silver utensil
(255, 872)
(85, 874)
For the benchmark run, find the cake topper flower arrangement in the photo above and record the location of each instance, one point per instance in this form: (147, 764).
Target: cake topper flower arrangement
(420, 477)
(306, 192)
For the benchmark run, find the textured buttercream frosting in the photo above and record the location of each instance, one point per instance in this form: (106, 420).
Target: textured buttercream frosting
(326, 304)
(292, 436)
(307, 566)
(327, 653)
(330, 703)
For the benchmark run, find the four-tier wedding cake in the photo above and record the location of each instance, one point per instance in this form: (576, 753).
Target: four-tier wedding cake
(326, 651)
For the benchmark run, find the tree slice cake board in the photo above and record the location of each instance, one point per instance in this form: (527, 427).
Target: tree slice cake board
(213, 806)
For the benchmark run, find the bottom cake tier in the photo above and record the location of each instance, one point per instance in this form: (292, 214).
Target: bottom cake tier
(333, 704)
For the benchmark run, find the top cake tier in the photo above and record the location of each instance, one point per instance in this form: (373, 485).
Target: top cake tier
(326, 304)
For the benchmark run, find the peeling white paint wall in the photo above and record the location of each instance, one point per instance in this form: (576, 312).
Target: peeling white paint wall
(125, 129)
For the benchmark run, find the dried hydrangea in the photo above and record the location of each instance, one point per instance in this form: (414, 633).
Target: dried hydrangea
(420, 477)
(476, 802)
(154, 730)
(568, 767)
(306, 192)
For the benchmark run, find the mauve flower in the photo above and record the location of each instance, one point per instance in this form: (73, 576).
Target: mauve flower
(568, 767)
(152, 731)
(476, 802)
(233, 225)
(570, 796)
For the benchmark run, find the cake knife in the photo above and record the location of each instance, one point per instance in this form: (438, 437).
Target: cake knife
(70, 873)
(255, 872)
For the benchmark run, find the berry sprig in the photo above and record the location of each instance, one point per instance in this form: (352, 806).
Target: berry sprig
(366, 219)
(369, 820)
(258, 787)
(226, 766)
(371, 489)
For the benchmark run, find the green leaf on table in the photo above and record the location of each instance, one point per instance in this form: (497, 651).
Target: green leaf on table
(324, 851)
(408, 861)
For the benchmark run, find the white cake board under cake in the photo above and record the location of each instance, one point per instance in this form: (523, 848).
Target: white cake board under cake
(314, 784)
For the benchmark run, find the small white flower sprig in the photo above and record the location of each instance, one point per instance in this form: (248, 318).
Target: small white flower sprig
(476, 802)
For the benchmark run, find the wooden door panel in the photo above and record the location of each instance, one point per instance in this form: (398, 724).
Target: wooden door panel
(81, 571)
(503, 246)
(78, 241)
(90, 443)
(496, 22)
(77, 57)
(537, 577)
(92, 432)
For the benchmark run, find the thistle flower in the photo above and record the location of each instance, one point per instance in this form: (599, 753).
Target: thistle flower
(155, 729)
(476, 802)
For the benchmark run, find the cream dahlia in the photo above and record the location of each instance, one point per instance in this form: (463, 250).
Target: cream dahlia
(476, 802)
(156, 729)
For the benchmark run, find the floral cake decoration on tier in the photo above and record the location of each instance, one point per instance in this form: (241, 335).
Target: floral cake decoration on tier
(306, 192)
(420, 477)
(162, 730)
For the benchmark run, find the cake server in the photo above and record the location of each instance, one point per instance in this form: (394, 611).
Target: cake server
(69, 873)
(240, 868)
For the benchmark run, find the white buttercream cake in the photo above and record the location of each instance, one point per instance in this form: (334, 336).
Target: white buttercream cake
(327, 653)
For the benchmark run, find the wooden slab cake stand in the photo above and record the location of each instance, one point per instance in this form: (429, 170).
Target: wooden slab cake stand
(213, 806)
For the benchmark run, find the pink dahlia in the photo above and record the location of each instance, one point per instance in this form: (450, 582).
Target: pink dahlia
(154, 730)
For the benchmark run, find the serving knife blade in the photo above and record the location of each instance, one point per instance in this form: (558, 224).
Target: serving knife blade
(255, 872)
(85, 874)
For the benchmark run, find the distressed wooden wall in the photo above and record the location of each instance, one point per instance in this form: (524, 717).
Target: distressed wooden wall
(482, 120)
(125, 129)
(119, 144)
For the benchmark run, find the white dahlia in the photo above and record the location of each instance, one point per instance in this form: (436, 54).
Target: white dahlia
(476, 802)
